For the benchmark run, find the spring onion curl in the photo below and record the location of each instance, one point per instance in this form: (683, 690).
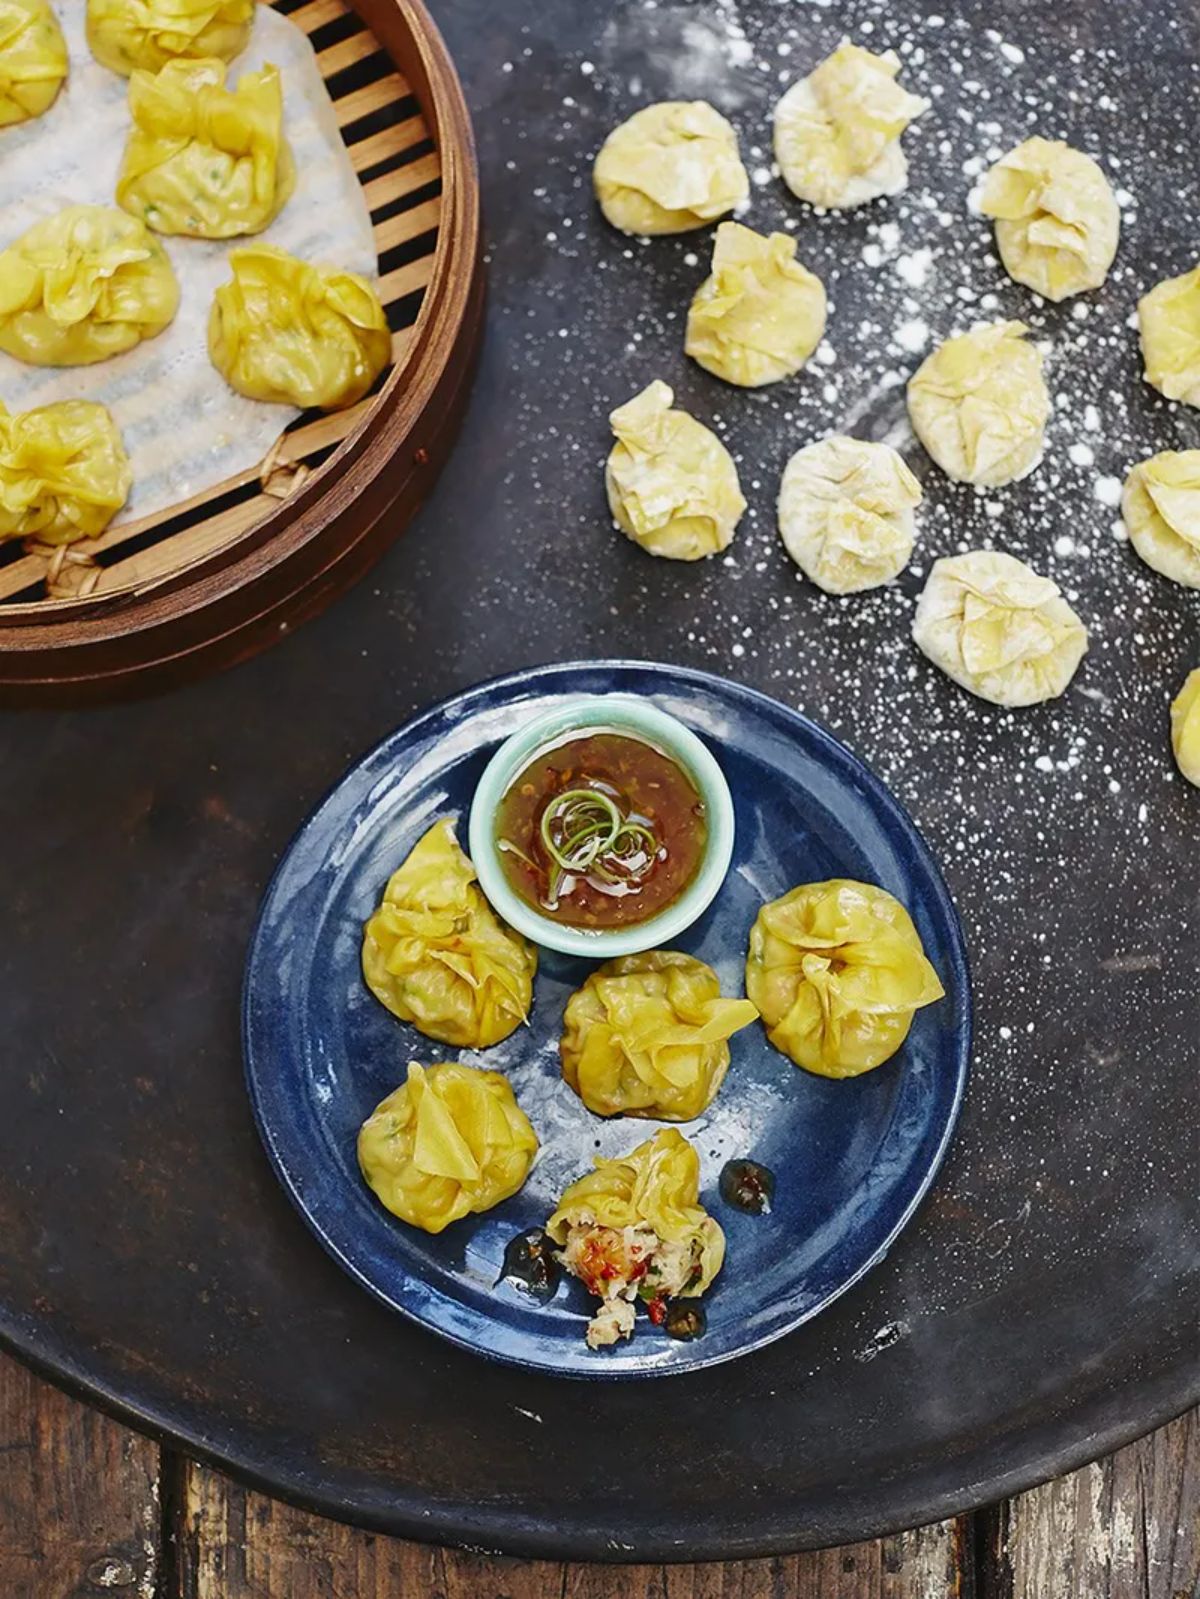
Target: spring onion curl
(585, 834)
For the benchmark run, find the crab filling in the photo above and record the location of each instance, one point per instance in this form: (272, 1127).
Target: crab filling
(621, 1265)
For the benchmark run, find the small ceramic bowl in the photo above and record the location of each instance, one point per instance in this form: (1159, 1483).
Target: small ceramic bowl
(621, 714)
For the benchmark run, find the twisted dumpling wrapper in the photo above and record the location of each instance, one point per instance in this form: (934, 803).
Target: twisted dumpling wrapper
(1169, 317)
(837, 132)
(846, 513)
(82, 285)
(656, 1186)
(672, 485)
(672, 166)
(979, 405)
(64, 473)
(201, 159)
(447, 1143)
(760, 314)
(295, 334)
(1185, 727)
(647, 1035)
(437, 955)
(1057, 223)
(998, 629)
(125, 34)
(33, 59)
(1161, 507)
(838, 971)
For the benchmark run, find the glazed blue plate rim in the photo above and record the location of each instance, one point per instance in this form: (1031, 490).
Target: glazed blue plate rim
(271, 1112)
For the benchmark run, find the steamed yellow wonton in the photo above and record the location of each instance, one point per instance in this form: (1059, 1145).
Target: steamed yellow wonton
(33, 59)
(635, 1228)
(837, 132)
(285, 331)
(838, 972)
(1169, 317)
(85, 284)
(846, 513)
(450, 1141)
(1057, 223)
(1161, 507)
(647, 1035)
(1185, 727)
(760, 314)
(125, 34)
(437, 955)
(672, 485)
(979, 405)
(998, 629)
(201, 159)
(64, 473)
(670, 167)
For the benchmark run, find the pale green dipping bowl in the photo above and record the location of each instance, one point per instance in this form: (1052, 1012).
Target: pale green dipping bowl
(621, 714)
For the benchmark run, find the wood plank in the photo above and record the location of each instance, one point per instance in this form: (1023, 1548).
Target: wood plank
(406, 279)
(395, 185)
(78, 1497)
(1125, 1528)
(408, 224)
(340, 56)
(361, 102)
(316, 14)
(234, 1544)
(389, 142)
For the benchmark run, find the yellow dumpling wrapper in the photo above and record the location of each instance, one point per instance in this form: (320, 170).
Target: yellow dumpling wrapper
(760, 314)
(672, 485)
(648, 1035)
(979, 405)
(837, 132)
(286, 331)
(64, 473)
(838, 971)
(846, 513)
(1057, 223)
(203, 160)
(670, 167)
(999, 629)
(450, 1141)
(1169, 317)
(1161, 508)
(1185, 727)
(85, 284)
(125, 34)
(656, 1186)
(33, 59)
(437, 955)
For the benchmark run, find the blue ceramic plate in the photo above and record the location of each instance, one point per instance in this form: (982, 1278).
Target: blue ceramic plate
(852, 1159)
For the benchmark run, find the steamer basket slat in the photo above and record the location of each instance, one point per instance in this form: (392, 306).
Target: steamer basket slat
(210, 580)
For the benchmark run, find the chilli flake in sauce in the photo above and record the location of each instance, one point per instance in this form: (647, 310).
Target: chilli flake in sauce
(601, 830)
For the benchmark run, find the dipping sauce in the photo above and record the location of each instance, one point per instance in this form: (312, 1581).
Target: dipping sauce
(601, 829)
(747, 1186)
(531, 1265)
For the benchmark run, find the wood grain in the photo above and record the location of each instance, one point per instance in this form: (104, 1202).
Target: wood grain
(240, 1545)
(1125, 1528)
(79, 1506)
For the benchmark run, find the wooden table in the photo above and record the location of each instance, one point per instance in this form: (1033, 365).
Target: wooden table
(89, 1508)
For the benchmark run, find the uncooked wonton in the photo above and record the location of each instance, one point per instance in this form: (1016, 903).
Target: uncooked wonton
(760, 314)
(437, 955)
(285, 331)
(979, 405)
(1169, 317)
(670, 167)
(64, 473)
(1057, 223)
(201, 159)
(998, 629)
(837, 132)
(82, 285)
(1185, 727)
(838, 971)
(1161, 508)
(846, 513)
(450, 1141)
(647, 1035)
(672, 485)
(33, 59)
